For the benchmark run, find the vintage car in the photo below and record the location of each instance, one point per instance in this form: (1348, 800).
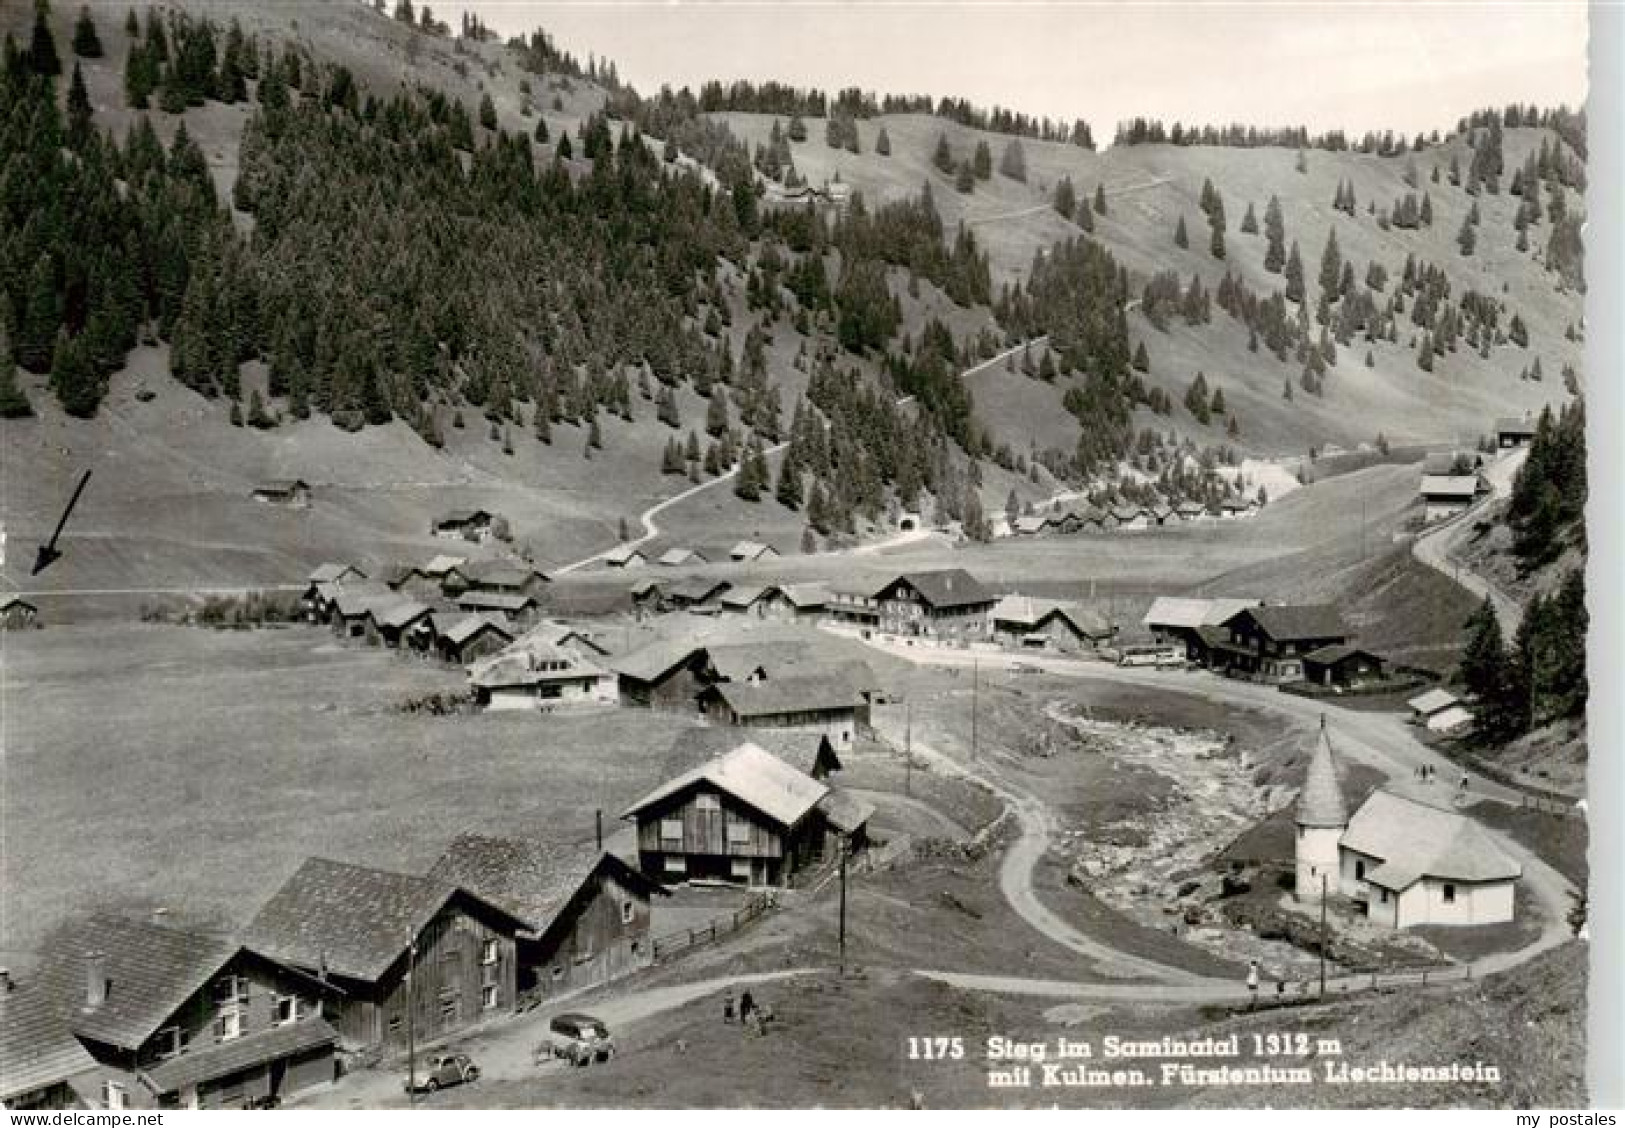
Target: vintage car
(579, 1039)
(442, 1070)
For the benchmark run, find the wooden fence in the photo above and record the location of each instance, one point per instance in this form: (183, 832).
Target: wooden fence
(676, 943)
(1351, 981)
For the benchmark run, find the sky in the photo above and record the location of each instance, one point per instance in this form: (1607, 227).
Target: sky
(1338, 64)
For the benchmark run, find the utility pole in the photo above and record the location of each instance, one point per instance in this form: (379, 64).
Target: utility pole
(411, 1021)
(908, 747)
(1322, 936)
(845, 850)
(598, 828)
(975, 693)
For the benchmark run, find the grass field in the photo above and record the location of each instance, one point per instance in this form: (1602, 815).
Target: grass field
(155, 766)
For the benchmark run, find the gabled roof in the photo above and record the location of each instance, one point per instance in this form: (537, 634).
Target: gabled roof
(1512, 424)
(752, 775)
(36, 1047)
(467, 627)
(697, 590)
(1179, 611)
(622, 553)
(11, 601)
(750, 550)
(1188, 508)
(152, 968)
(463, 516)
(674, 556)
(200, 1065)
(1447, 461)
(796, 693)
(281, 485)
(533, 666)
(355, 600)
(1320, 801)
(401, 613)
(443, 565)
(1236, 505)
(1127, 512)
(500, 573)
(1419, 840)
(949, 587)
(806, 597)
(845, 811)
(1025, 611)
(352, 920)
(1432, 701)
(652, 662)
(1032, 524)
(1462, 486)
(552, 634)
(744, 595)
(644, 586)
(532, 879)
(330, 573)
(1304, 621)
(800, 748)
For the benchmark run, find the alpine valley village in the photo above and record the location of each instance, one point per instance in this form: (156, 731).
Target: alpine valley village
(519, 590)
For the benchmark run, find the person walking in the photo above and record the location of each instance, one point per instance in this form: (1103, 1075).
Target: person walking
(728, 1007)
(746, 1006)
(1252, 984)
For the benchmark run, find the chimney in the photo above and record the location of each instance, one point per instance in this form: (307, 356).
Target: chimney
(96, 982)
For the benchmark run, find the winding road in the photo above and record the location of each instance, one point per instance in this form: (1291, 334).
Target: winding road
(647, 518)
(1435, 546)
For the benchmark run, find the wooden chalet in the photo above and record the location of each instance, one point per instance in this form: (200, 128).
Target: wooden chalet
(1439, 710)
(17, 613)
(744, 817)
(362, 930)
(818, 702)
(1189, 511)
(1042, 624)
(504, 578)
(1031, 525)
(460, 639)
(1268, 642)
(646, 595)
(42, 1065)
(1445, 496)
(700, 595)
(783, 603)
(349, 605)
(681, 557)
(1512, 432)
(517, 609)
(390, 624)
(663, 675)
(331, 573)
(588, 911)
(464, 524)
(293, 493)
(178, 1019)
(853, 609)
(1344, 667)
(947, 604)
(1193, 624)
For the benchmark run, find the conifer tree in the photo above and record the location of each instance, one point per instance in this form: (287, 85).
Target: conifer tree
(982, 161)
(1100, 199)
(86, 43)
(883, 143)
(13, 400)
(1066, 197)
(1181, 239)
(541, 130)
(74, 379)
(1249, 222)
(1294, 274)
(80, 128)
(1275, 235)
(42, 57)
(1331, 267)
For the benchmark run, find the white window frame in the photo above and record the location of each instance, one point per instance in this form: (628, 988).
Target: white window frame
(675, 863)
(705, 801)
(1449, 893)
(490, 953)
(738, 832)
(291, 1004)
(667, 831)
(740, 867)
(230, 1023)
(629, 912)
(168, 1042)
(114, 1094)
(490, 997)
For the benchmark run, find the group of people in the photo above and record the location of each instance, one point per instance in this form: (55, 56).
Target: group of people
(752, 1015)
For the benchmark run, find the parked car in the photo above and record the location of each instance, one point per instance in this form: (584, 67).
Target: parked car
(442, 1070)
(580, 1039)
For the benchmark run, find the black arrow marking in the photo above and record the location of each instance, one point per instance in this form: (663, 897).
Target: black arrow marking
(48, 552)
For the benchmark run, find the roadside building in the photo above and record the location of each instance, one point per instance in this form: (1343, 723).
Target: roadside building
(1030, 525)
(331, 573)
(1268, 642)
(587, 911)
(746, 816)
(1439, 710)
(541, 678)
(502, 577)
(1194, 624)
(465, 524)
(1405, 858)
(551, 633)
(43, 1067)
(700, 595)
(1130, 518)
(1446, 496)
(291, 493)
(950, 604)
(349, 605)
(181, 1019)
(1343, 667)
(17, 613)
(853, 609)
(1042, 624)
(1512, 432)
(1187, 511)
(395, 945)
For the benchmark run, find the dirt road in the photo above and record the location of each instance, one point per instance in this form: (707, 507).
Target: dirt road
(1436, 547)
